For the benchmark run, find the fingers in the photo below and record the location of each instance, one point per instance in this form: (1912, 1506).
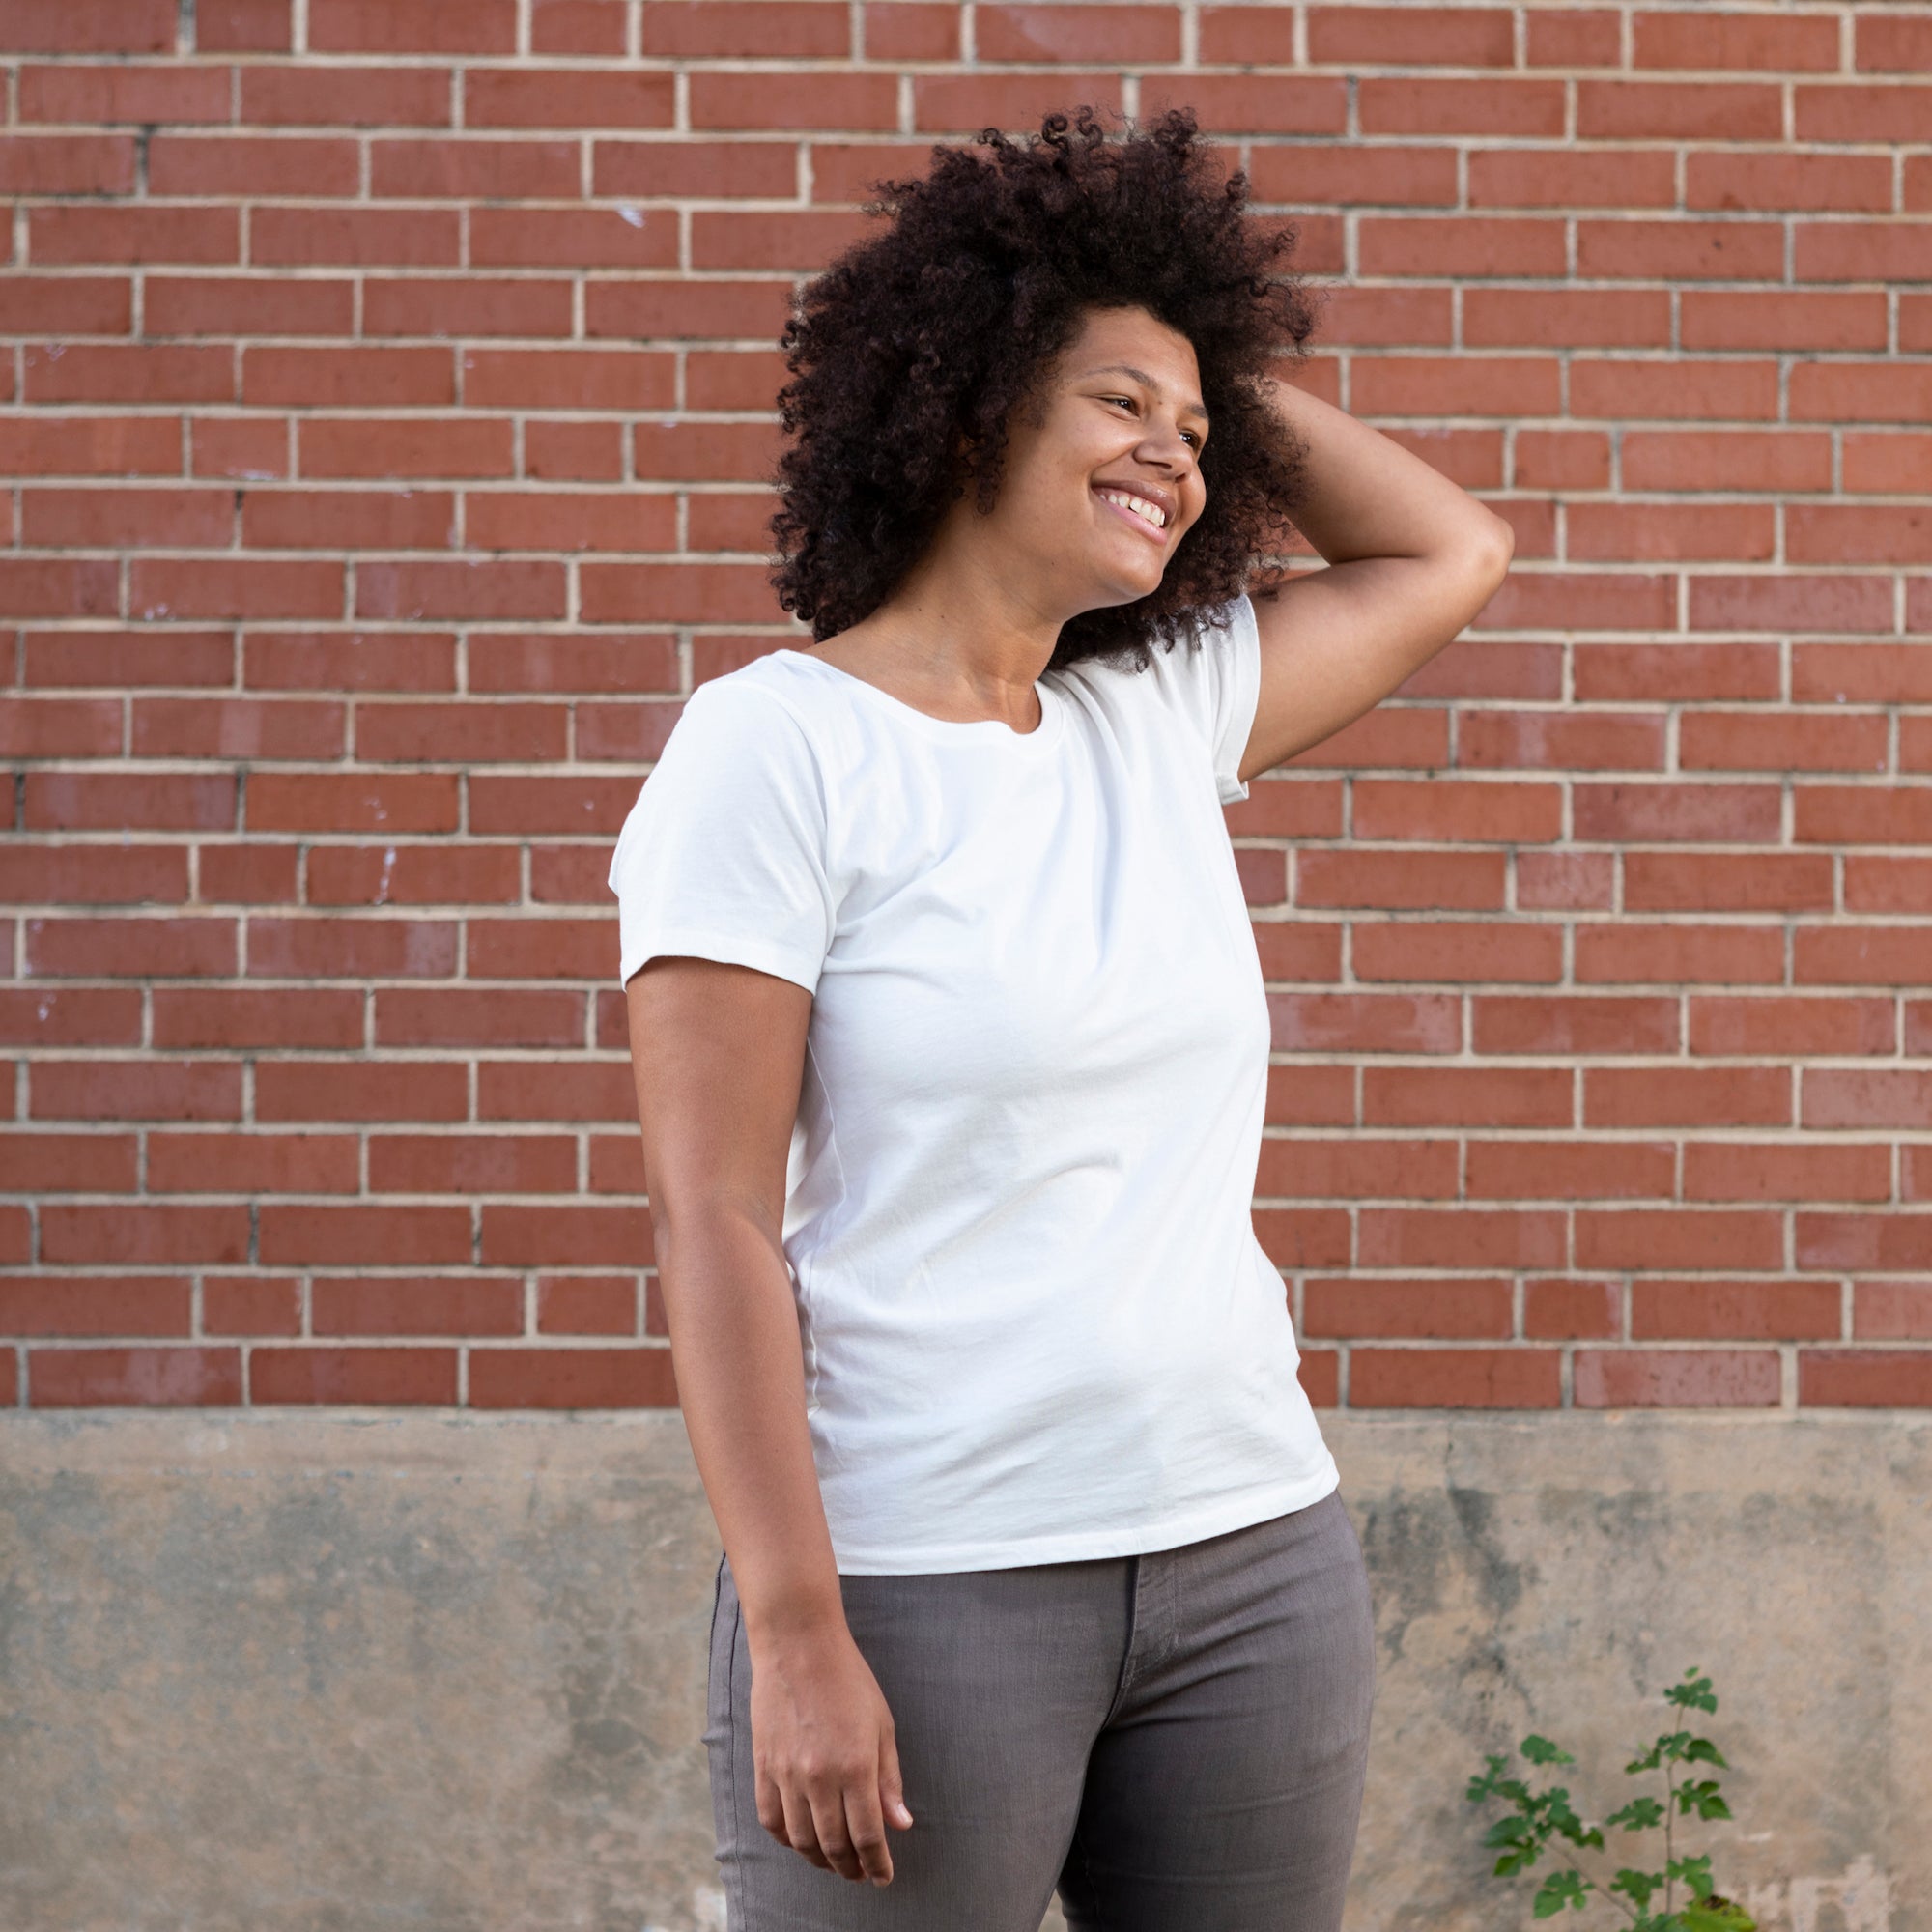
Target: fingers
(835, 1826)
(891, 1790)
(865, 1827)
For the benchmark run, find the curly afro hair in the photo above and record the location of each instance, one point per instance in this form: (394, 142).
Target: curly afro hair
(919, 342)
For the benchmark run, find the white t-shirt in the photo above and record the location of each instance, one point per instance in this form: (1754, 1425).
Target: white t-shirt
(1037, 1324)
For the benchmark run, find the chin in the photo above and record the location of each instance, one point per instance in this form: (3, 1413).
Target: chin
(1112, 596)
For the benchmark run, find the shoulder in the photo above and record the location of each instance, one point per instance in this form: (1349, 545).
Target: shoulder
(1207, 680)
(764, 712)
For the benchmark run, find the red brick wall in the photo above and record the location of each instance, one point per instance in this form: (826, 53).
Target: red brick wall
(385, 403)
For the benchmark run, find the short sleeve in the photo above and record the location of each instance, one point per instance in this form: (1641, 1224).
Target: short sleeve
(1217, 681)
(723, 854)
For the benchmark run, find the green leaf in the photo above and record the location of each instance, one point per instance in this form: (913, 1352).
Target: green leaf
(1637, 1885)
(1694, 1872)
(1638, 1814)
(1561, 1888)
(1693, 1694)
(1703, 1749)
(1540, 1750)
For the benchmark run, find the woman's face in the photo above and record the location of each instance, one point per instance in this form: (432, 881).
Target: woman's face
(1103, 477)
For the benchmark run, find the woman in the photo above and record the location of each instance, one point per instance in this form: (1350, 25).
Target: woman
(952, 1050)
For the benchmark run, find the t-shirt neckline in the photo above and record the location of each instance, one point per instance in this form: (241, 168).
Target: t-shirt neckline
(987, 731)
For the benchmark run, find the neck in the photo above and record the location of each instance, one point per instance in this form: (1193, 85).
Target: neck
(960, 634)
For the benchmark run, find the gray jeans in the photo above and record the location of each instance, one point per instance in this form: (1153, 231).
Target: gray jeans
(1176, 1741)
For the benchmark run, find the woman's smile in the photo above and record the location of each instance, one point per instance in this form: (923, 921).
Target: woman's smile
(1143, 508)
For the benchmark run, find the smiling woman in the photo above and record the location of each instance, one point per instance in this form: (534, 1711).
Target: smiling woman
(951, 1054)
(920, 355)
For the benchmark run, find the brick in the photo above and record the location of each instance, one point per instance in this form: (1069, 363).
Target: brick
(247, 305)
(1453, 1378)
(575, 379)
(1305, 1168)
(315, 94)
(1679, 1238)
(748, 29)
(146, 1235)
(1630, 952)
(1884, 1244)
(1760, 1170)
(67, 164)
(242, 26)
(813, 99)
(455, 167)
(559, 520)
(258, 1017)
(497, 1017)
(433, 1306)
(411, 27)
(1545, 1170)
(416, 237)
(127, 519)
(699, 307)
(1363, 35)
(467, 306)
(596, 1234)
(1864, 1378)
(1566, 1310)
(1774, 1025)
(184, 1376)
(248, 165)
(93, 445)
(579, 1377)
(961, 104)
(251, 447)
(1427, 1309)
(125, 94)
(363, 1374)
(474, 588)
(349, 518)
(573, 238)
(566, 97)
(1460, 1237)
(136, 948)
(1631, 1097)
(1422, 951)
(69, 305)
(593, 1305)
(346, 377)
(911, 30)
(1677, 1378)
(699, 170)
(233, 587)
(351, 949)
(91, 875)
(357, 1235)
(96, 1305)
(56, 588)
(420, 446)
(472, 1164)
(150, 233)
(419, 872)
(578, 26)
(1133, 36)
(254, 1164)
(88, 27)
(1438, 808)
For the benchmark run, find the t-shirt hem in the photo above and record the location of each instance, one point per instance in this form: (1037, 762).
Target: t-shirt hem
(1124, 1540)
(730, 947)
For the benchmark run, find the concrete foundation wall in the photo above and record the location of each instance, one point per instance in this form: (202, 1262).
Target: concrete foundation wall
(346, 1671)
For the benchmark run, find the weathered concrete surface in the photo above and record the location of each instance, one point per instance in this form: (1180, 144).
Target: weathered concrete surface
(341, 1672)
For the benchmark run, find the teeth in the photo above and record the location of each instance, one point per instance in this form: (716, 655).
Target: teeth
(1150, 512)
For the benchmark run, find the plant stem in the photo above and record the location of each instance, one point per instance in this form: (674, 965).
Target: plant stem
(1669, 1823)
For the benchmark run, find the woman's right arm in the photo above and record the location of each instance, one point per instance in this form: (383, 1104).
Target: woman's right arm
(718, 1052)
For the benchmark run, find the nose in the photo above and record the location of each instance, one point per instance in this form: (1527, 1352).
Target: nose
(1164, 446)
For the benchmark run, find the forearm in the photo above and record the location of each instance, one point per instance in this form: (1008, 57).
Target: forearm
(735, 1347)
(1368, 497)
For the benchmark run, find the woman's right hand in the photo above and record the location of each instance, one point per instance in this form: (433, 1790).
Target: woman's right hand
(825, 1756)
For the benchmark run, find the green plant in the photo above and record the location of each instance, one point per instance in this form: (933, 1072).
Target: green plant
(1539, 1817)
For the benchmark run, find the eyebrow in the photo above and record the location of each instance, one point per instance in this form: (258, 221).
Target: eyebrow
(1141, 376)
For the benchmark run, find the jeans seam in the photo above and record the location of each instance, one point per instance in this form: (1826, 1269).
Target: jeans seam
(1123, 1682)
